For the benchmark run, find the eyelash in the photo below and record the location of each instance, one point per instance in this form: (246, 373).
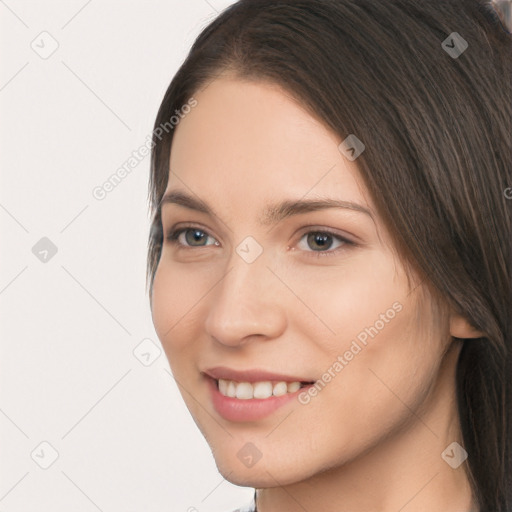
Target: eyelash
(173, 234)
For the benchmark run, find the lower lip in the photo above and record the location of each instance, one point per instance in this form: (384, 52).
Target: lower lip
(235, 409)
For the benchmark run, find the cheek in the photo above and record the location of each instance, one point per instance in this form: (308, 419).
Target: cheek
(380, 356)
(388, 375)
(176, 294)
(349, 301)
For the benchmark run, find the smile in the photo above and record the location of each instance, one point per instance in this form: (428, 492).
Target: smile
(258, 390)
(252, 401)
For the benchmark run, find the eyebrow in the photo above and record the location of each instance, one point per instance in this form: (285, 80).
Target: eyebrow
(274, 212)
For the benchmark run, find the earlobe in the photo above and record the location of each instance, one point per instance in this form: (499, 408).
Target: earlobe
(461, 328)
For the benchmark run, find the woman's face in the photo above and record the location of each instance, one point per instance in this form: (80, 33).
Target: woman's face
(304, 294)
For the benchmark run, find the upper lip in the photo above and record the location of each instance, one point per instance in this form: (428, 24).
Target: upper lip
(251, 375)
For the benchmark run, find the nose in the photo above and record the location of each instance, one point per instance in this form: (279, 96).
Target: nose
(248, 302)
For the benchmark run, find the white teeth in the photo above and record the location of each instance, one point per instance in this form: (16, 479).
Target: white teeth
(231, 390)
(244, 391)
(281, 388)
(223, 386)
(261, 390)
(293, 386)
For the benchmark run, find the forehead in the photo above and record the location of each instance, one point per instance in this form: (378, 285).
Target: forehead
(247, 141)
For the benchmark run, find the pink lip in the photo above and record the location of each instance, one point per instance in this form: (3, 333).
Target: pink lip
(252, 375)
(235, 409)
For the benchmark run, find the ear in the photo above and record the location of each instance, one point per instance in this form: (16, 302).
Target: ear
(461, 328)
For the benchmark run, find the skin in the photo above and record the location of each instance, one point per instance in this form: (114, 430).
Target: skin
(372, 438)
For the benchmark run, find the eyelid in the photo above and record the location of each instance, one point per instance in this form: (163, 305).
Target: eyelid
(342, 235)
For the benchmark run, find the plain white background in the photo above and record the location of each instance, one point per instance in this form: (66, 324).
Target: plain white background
(115, 433)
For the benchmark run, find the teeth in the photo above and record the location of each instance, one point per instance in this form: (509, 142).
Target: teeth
(261, 390)
(293, 386)
(281, 388)
(231, 389)
(223, 387)
(244, 391)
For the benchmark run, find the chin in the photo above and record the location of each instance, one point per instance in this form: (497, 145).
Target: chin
(262, 474)
(252, 477)
(249, 480)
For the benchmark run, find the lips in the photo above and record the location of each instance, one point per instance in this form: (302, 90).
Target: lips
(251, 395)
(253, 375)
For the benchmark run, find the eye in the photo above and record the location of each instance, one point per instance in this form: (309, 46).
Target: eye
(194, 236)
(321, 241)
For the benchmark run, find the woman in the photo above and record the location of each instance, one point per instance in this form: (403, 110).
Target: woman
(330, 259)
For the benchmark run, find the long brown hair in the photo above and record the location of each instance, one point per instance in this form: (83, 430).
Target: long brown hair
(437, 128)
